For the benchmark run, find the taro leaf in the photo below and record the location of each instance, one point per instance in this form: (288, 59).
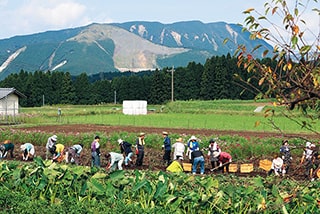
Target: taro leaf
(258, 182)
(96, 187)
(80, 170)
(50, 173)
(175, 204)
(84, 189)
(116, 175)
(39, 161)
(211, 184)
(139, 185)
(161, 190)
(275, 191)
(99, 175)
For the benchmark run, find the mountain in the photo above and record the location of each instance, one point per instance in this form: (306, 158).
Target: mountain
(115, 47)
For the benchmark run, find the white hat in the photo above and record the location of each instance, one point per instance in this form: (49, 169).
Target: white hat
(216, 154)
(312, 145)
(165, 133)
(193, 137)
(278, 162)
(308, 144)
(120, 141)
(54, 137)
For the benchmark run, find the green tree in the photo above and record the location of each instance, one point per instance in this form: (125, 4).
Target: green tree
(68, 94)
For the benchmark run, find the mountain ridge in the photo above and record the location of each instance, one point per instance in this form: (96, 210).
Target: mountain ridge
(115, 47)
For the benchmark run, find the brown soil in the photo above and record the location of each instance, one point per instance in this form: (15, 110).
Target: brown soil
(153, 157)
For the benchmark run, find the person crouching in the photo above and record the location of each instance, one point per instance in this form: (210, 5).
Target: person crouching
(114, 159)
(28, 151)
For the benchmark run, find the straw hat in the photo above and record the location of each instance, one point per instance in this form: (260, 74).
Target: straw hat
(142, 134)
(165, 133)
(179, 140)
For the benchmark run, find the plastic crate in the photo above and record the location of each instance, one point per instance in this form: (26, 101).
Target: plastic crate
(233, 167)
(246, 168)
(187, 167)
(265, 164)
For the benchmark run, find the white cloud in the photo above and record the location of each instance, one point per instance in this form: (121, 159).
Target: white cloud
(52, 13)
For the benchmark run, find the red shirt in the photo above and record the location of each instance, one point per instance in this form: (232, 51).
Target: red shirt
(224, 157)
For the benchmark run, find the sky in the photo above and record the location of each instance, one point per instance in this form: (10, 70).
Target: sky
(23, 17)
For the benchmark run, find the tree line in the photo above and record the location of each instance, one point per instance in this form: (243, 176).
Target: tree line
(216, 79)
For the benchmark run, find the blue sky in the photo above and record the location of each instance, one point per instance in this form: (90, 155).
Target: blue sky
(21, 17)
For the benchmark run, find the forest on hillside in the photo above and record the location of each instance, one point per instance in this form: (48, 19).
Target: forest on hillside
(218, 78)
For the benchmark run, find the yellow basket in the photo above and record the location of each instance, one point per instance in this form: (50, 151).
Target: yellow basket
(265, 164)
(246, 168)
(187, 167)
(233, 167)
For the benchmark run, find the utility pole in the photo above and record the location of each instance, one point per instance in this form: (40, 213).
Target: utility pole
(172, 71)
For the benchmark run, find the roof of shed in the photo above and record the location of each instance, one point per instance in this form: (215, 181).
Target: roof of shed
(4, 92)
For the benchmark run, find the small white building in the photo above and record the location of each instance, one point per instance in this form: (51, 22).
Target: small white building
(9, 101)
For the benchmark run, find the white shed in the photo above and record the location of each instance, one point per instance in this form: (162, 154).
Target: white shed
(134, 107)
(9, 101)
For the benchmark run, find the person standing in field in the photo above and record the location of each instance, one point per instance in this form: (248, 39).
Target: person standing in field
(286, 156)
(28, 151)
(179, 149)
(95, 152)
(197, 158)
(213, 147)
(167, 148)
(6, 147)
(140, 149)
(114, 159)
(49, 146)
(59, 153)
(224, 159)
(193, 145)
(125, 148)
(74, 153)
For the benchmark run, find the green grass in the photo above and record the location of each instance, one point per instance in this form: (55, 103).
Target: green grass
(218, 115)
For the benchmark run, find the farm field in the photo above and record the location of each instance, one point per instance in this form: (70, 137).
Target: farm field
(149, 188)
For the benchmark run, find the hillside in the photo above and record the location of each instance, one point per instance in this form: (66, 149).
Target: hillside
(131, 46)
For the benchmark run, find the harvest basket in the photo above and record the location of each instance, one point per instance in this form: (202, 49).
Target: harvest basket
(265, 164)
(187, 167)
(246, 168)
(233, 167)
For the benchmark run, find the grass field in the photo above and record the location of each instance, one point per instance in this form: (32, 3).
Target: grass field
(218, 115)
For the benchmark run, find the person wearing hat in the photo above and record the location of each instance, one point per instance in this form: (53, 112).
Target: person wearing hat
(167, 148)
(224, 159)
(178, 148)
(28, 151)
(306, 159)
(125, 148)
(192, 146)
(213, 147)
(6, 147)
(95, 152)
(49, 146)
(276, 166)
(73, 154)
(286, 155)
(140, 149)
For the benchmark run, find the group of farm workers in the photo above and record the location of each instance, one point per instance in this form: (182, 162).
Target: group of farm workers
(219, 160)
(310, 160)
